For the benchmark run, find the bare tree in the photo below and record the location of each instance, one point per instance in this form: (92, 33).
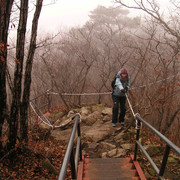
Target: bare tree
(5, 10)
(162, 67)
(152, 8)
(18, 106)
(17, 86)
(28, 70)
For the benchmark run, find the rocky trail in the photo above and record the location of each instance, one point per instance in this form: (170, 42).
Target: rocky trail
(100, 139)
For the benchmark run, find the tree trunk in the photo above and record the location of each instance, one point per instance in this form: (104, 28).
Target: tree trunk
(5, 9)
(16, 97)
(27, 80)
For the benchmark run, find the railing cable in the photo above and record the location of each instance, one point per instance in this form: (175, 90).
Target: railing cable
(130, 105)
(108, 93)
(138, 124)
(47, 122)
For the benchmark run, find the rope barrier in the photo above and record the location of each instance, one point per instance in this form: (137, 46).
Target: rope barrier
(47, 123)
(130, 105)
(138, 126)
(108, 93)
(83, 94)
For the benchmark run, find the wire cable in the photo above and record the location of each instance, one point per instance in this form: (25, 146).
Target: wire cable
(47, 123)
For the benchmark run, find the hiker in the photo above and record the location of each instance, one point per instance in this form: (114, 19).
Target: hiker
(120, 86)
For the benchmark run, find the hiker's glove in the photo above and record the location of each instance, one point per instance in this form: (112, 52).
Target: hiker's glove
(126, 89)
(123, 90)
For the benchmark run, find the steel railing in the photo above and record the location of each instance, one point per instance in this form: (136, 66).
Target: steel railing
(69, 155)
(169, 146)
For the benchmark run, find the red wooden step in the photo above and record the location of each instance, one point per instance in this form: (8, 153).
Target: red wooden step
(113, 178)
(107, 160)
(108, 169)
(110, 173)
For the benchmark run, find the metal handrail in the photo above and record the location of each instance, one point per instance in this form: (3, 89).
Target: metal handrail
(69, 155)
(169, 145)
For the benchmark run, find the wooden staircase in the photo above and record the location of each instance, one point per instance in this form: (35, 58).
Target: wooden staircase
(109, 169)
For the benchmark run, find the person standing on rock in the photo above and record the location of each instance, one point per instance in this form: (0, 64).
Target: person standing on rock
(120, 86)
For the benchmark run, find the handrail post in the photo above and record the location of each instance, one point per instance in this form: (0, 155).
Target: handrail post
(137, 138)
(79, 135)
(164, 161)
(69, 155)
(73, 171)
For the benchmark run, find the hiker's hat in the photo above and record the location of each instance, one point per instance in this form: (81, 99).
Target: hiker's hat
(123, 71)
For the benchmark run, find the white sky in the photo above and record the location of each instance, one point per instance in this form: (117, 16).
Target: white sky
(67, 13)
(64, 14)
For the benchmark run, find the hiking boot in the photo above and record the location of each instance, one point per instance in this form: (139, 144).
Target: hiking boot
(113, 125)
(122, 123)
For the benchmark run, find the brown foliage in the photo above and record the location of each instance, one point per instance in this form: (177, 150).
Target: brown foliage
(28, 162)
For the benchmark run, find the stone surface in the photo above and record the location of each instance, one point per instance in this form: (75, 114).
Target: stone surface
(97, 133)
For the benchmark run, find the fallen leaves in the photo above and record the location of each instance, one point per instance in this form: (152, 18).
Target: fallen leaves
(27, 162)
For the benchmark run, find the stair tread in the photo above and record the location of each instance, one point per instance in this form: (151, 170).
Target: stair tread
(116, 166)
(109, 169)
(107, 160)
(111, 173)
(111, 178)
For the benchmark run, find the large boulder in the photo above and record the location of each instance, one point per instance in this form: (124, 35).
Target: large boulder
(97, 107)
(116, 153)
(127, 146)
(62, 135)
(99, 131)
(85, 111)
(106, 146)
(44, 126)
(107, 112)
(90, 119)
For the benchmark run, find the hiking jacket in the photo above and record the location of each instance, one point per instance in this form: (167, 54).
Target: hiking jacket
(120, 84)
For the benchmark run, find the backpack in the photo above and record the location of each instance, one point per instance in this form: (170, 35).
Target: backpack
(113, 82)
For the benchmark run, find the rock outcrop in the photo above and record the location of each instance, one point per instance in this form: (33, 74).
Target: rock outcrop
(99, 138)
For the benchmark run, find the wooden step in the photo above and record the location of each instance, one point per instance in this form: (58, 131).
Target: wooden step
(110, 173)
(105, 167)
(107, 160)
(112, 178)
(109, 168)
